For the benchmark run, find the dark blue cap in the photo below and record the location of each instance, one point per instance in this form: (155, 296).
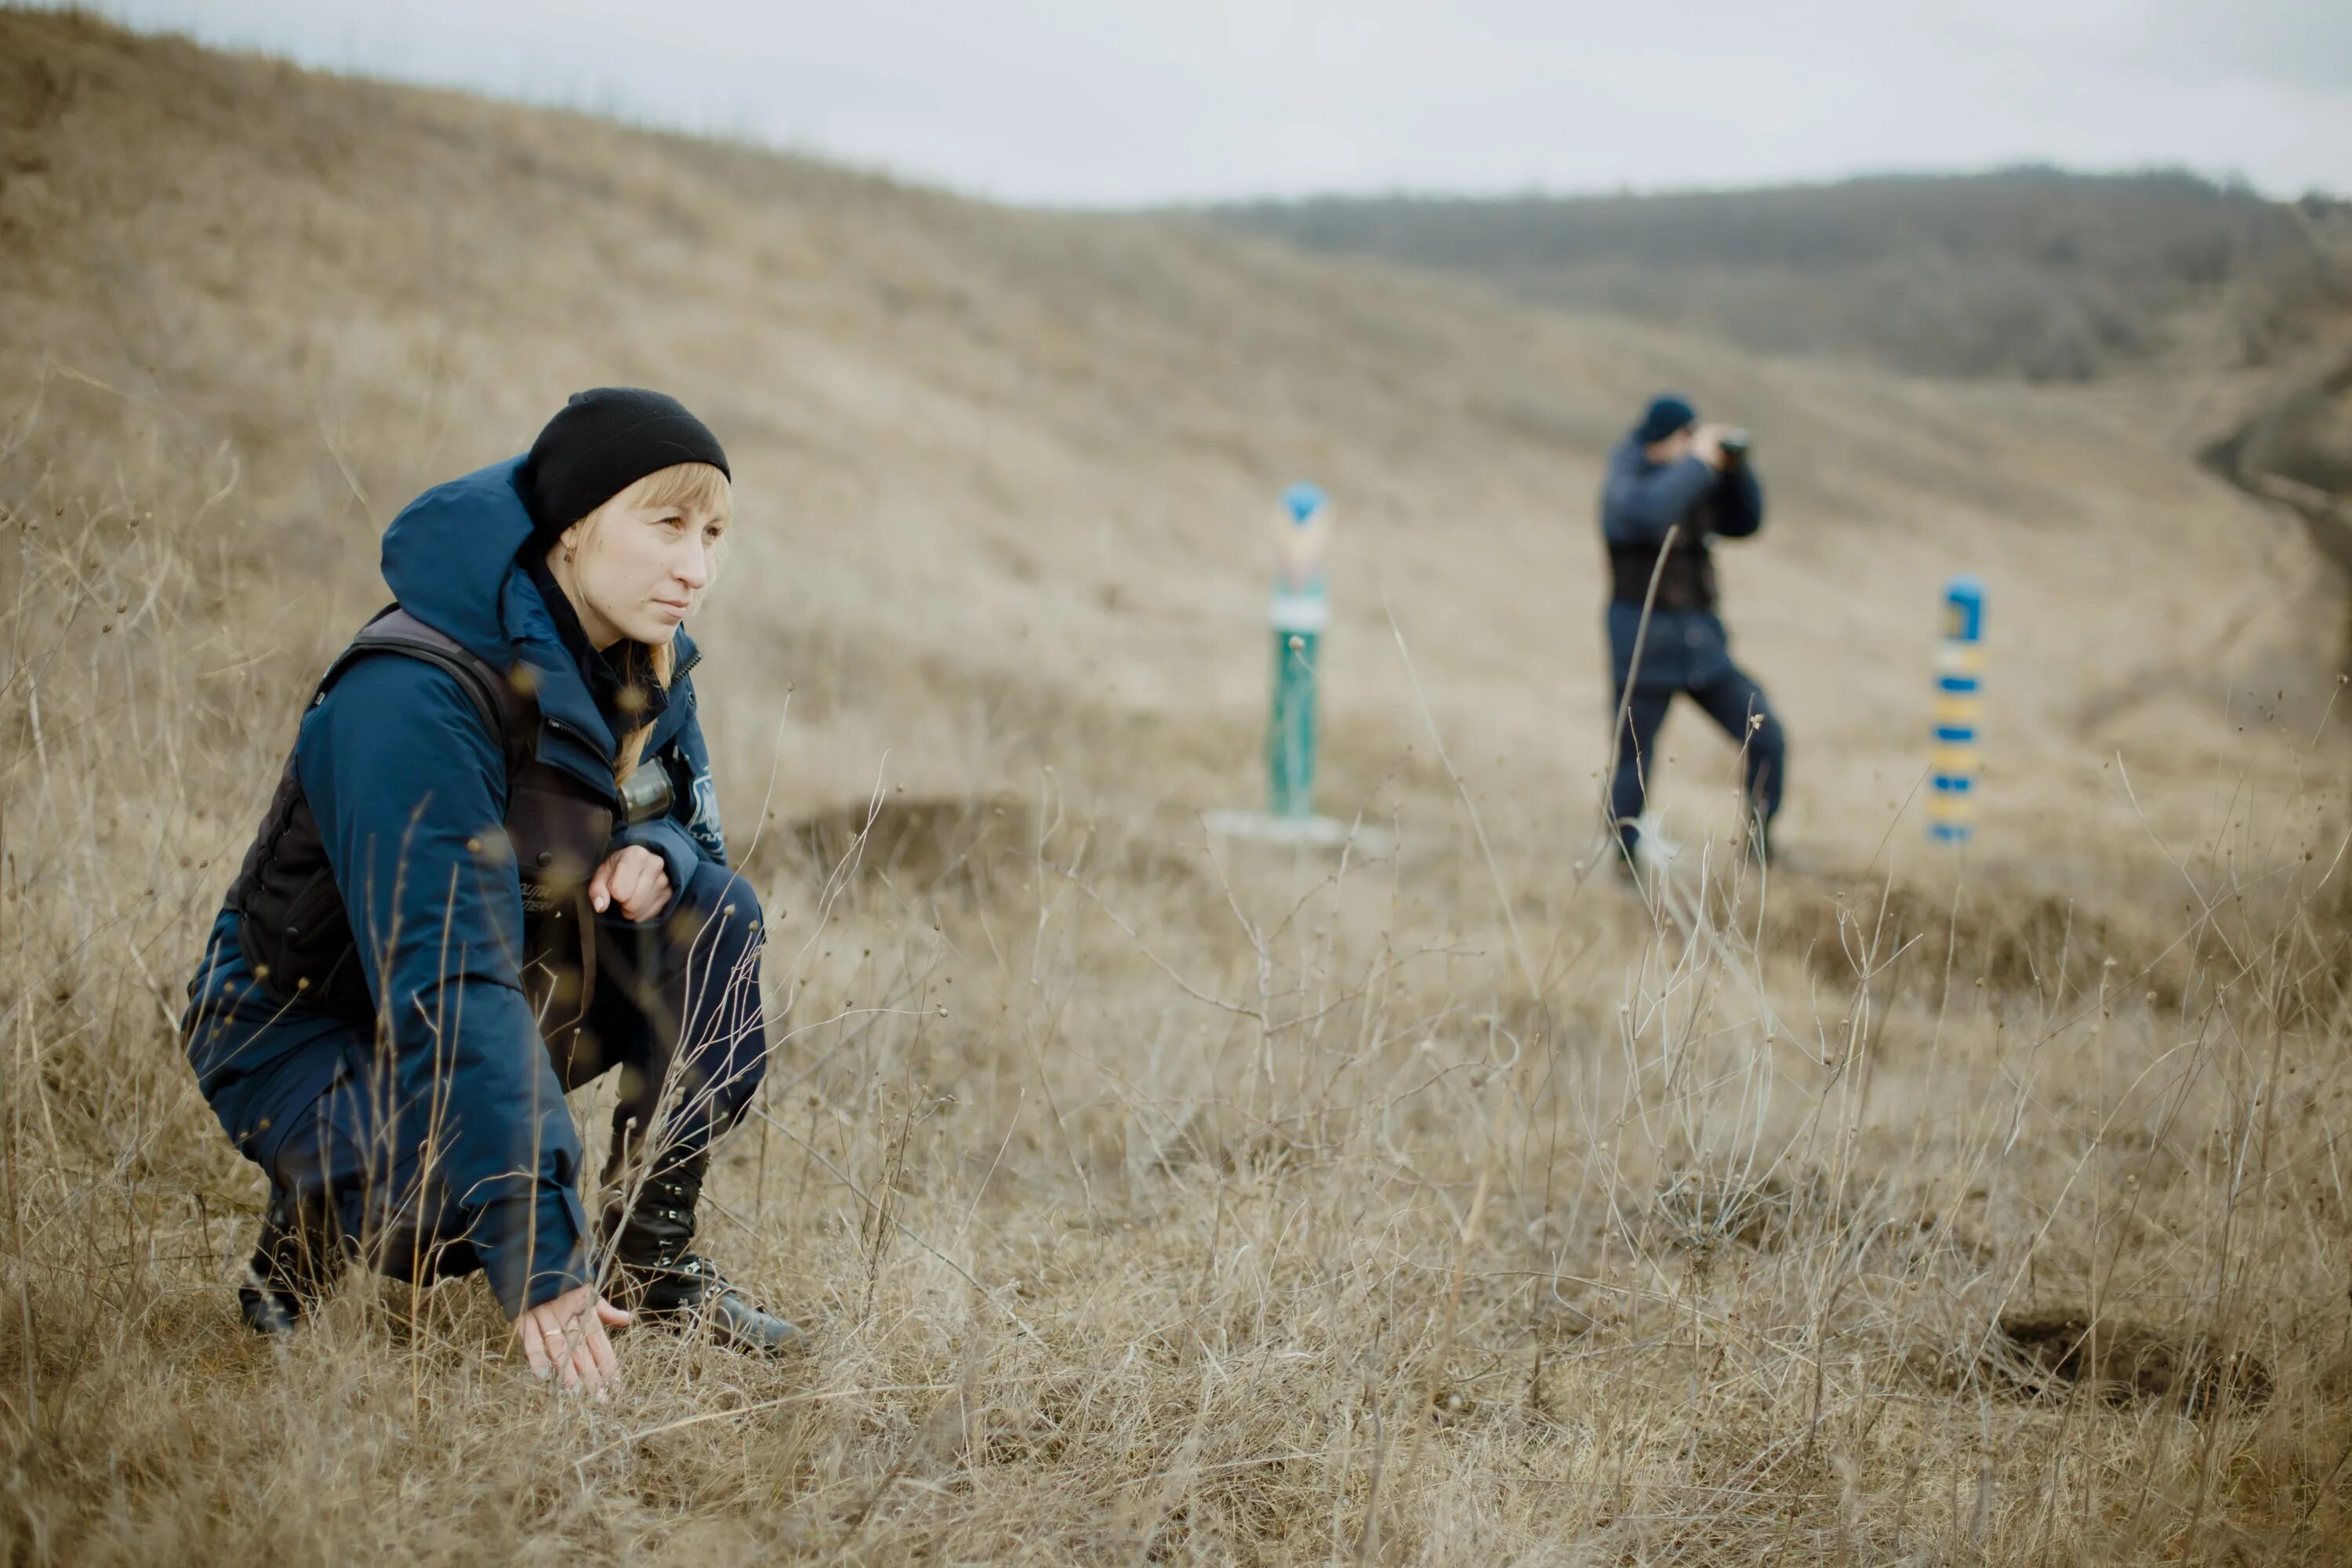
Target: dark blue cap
(1668, 412)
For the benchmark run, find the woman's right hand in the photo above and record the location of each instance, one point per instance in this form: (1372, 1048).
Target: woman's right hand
(633, 877)
(567, 1335)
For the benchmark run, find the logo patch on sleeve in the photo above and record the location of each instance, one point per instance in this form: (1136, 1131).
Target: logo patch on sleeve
(704, 823)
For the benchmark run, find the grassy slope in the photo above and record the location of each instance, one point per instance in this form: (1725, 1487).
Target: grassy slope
(1036, 448)
(1003, 483)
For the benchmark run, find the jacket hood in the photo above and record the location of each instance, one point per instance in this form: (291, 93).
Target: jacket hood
(448, 555)
(450, 559)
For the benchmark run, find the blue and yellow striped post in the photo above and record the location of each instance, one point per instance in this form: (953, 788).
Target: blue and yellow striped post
(1960, 671)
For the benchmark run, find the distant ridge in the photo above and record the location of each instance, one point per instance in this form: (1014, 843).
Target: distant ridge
(2028, 271)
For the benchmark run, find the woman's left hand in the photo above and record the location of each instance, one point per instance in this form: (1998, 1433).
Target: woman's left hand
(635, 879)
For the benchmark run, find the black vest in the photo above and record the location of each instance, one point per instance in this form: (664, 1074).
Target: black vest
(1687, 580)
(292, 924)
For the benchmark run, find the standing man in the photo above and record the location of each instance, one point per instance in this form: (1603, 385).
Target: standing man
(1673, 485)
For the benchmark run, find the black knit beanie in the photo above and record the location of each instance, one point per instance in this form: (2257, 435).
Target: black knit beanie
(605, 441)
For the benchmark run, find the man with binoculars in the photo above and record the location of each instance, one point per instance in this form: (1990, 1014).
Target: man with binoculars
(1674, 484)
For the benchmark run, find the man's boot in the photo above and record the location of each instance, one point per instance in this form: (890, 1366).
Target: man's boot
(1633, 872)
(1764, 851)
(659, 1279)
(295, 1261)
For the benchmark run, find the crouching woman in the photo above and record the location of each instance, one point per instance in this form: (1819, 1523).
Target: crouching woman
(492, 871)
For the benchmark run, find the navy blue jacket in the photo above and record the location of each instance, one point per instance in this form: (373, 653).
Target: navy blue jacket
(1639, 501)
(402, 772)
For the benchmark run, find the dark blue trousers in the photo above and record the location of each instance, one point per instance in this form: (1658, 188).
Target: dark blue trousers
(1737, 704)
(676, 1011)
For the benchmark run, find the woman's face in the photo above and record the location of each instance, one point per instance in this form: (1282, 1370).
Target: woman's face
(634, 571)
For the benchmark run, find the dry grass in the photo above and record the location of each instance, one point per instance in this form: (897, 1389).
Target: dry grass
(1156, 1201)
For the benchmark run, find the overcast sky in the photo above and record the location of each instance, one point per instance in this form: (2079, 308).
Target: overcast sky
(1138, 101)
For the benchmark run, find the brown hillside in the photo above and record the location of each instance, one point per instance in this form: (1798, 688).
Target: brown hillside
(991, 449)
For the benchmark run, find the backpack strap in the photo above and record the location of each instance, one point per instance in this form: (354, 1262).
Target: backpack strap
(508, 713)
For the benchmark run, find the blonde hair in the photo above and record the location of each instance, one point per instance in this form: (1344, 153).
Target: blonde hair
(697, 485)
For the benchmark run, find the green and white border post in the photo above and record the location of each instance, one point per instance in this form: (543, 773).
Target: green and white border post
(1302, 610)
(1301, 614)
(1960, 671)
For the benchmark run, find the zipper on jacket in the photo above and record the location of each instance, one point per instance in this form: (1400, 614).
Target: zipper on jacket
(559, 727)
(586, 740)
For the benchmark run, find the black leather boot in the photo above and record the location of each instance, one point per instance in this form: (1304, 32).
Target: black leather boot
(1764, 851)
(660, 1280)
(296, 1260)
